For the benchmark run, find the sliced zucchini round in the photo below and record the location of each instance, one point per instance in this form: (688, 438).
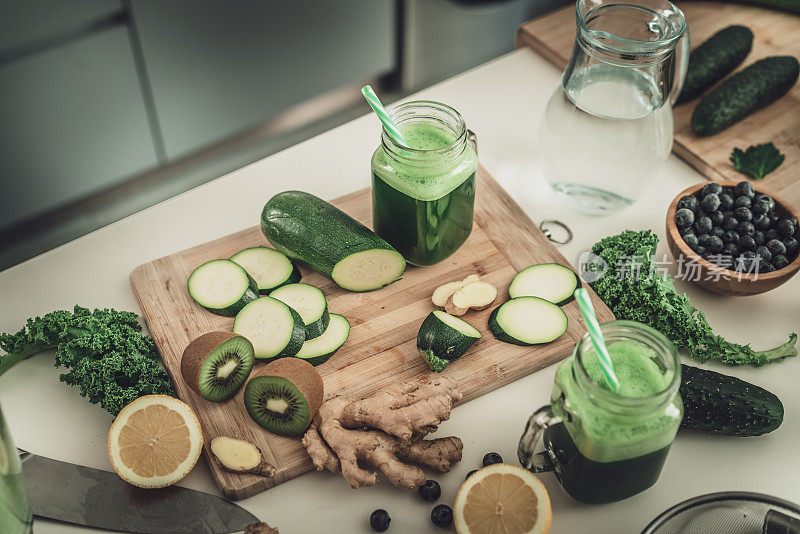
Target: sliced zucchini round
(222, 287)
(443, 338)
(309, 302)
(368, 269)
(268, 267)
(274, 329)
(548, 281)
(528, 321)
(318, 350)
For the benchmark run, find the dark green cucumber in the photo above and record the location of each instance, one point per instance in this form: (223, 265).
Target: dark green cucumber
(268, 267)
(443, 338)
(760, 84)
(722, 404)
(274, 329)
(307, 228)
(222, 287)
(309, 302)
(714, 59)
(528, 321)
(319, 350)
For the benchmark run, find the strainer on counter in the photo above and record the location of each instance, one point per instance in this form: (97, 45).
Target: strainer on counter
(729, 512)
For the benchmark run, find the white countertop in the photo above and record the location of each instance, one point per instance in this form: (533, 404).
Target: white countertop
(501, 101)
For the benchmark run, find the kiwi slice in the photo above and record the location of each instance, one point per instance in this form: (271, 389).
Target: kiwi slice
(216, 364)
(284, 395)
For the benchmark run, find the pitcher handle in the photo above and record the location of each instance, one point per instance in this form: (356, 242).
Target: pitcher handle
(537, 424)
(682, 52)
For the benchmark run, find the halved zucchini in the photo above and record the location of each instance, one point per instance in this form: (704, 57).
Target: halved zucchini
(268, 267)
(318, 350)
(443, 338)
(550, 281)
(222, 287)
(274, 329)
(528, 321)
(309, 302)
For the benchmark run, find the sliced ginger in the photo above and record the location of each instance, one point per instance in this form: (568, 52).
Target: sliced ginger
(240, 456)
(443, 293)
(471, 293)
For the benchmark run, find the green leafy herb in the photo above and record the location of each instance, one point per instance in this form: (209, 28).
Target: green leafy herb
(634, 290)
(757, 161)
(106, 354)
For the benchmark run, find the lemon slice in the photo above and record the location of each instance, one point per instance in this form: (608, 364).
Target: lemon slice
(502, 499)
(154, 441)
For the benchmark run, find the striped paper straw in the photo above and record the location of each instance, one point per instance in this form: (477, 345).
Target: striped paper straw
(596, 335)
(377, 107)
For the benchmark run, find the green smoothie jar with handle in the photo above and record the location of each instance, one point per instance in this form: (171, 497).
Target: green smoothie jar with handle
(423, 194)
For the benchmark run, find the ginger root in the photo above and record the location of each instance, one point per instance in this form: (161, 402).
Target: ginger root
(471, 293)
(260, 528)
(240, 456)
(383, 431)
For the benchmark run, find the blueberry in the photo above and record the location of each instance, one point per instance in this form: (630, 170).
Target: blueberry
(717, 231)
(785, 227)
(746, 242)
(730, 236)
(688, 202)
(730, 223)
(442, 515)
(711, 188)
(471, 473)
(744, 189)
(730, 249)
(792, 247)
(761, 221)
(746, 228)
(710, 203)
(379, 520)
(764, 253)
(758, 237)
(760, 206)
(715, 244)
(492, 458)
(684, 218)
(725, 201)
(702, 239)
(703, 225)
(700, 250)
(769, 200)
(776, 247)
(742, 202)
(771, 234)
(690, 240)
(716, 218)
(430, 491)
(743, 214)
(780, 261)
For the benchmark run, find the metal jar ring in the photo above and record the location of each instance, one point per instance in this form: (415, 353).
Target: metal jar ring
(543, 226)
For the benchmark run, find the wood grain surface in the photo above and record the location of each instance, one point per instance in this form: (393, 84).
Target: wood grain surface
(775, 33)
(382, 344)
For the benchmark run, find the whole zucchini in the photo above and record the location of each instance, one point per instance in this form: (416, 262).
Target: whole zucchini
(760, 84)
(714, 59)
(722, 404)
(307, 228)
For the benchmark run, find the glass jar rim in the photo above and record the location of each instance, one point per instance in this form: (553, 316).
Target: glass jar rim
(459, 128)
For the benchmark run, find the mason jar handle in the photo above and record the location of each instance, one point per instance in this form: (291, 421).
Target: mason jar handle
(472, 139)
(537, 424)
(682, 52)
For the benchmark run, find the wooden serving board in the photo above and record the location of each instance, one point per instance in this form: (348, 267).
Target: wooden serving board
(382, 344)
(775, 33)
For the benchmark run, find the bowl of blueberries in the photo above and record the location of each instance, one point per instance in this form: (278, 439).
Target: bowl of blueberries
(733, 239)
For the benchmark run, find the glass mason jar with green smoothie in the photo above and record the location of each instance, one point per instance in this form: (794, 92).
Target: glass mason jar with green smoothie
(606, 446)
(423, 195)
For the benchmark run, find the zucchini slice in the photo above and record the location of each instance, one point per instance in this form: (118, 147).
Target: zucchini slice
(443, 338)
(268, 267)
(549, 281)
(528, 321)
(222, 287)
(274, 329)
(309, 302)
(318, 350)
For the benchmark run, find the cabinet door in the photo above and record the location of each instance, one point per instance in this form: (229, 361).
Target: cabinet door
(72, 121)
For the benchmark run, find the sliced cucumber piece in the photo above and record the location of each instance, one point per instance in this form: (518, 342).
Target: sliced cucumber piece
(528, 321)
(549, 281)
(268, 267)
(309, 302)
(443, 338)
(222, 287)
(318, 350)
(274, 329)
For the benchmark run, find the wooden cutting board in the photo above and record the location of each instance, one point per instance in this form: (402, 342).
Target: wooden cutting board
(382, 344)
(775, 33)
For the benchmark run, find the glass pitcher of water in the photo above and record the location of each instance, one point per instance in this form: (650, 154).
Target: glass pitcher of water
(608, 126)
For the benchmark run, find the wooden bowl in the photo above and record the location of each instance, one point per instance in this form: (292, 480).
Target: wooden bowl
(719, 279)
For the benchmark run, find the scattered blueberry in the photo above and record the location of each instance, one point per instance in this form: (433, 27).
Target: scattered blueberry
(688, 202)
(470, 474)
(729, 236)
(702, 240)
(761, 221)
(379, 520)
(710, 203)
(766, 268)
(715, 244)
(792, 247)
(776, 247)
(743, 214)
(758, 237)
(703, 225)
(442, 515)
(690, 240)
(764, 253)
(684, 218)
(744, 189)
(730, 249)
(717, 231)
(780, 261)
(785, 227)
(760, 206)
(716, 217)
(746, 242)
(730, 223)
(766, 198)
(771, 234)
(430, 491)
(492, 458)
(742, 202)
(746, 228)
(701, 250)
(725, 201)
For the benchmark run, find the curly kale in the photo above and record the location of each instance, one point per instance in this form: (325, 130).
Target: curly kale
(634, 290)
(106, 354)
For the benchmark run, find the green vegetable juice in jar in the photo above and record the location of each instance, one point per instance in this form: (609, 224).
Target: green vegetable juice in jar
(423, 195)
(606, 446)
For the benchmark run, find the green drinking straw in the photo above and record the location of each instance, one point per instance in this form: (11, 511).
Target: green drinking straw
(595, 334)
(375, 103)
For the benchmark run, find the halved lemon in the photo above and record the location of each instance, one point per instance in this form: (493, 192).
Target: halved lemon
(502, 499)
(154, 441)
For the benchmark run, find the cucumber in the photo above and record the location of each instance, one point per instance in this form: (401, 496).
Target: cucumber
(722, 404)
(443, 338)
(714, 59)
(222, 287)
(760, 84)
(268, 267)
(318, 350)
(307, 228)
(274, 329)
(309, 302)
(528, 321)
(550, 281)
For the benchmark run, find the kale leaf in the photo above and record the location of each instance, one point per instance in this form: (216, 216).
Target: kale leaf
(757, 161)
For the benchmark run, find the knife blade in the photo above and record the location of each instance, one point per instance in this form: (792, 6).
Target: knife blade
(91, 497)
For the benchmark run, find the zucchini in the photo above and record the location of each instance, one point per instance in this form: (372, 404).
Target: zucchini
(550, 281)
(222, 287)
(528, 321)
(760, 84)
(307, 228)
(309, 302)
(443, 338)
(268, 267)
(722, 404)
(274, 329)
(318, 350)
(714, 59)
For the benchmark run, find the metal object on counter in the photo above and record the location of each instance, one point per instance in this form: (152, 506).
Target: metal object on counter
(547, 227)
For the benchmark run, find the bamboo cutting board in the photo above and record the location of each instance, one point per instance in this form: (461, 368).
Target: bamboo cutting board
(382, 344)
(775, 33)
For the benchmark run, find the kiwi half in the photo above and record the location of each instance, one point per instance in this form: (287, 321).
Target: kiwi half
(284, 395)
(216, 364)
